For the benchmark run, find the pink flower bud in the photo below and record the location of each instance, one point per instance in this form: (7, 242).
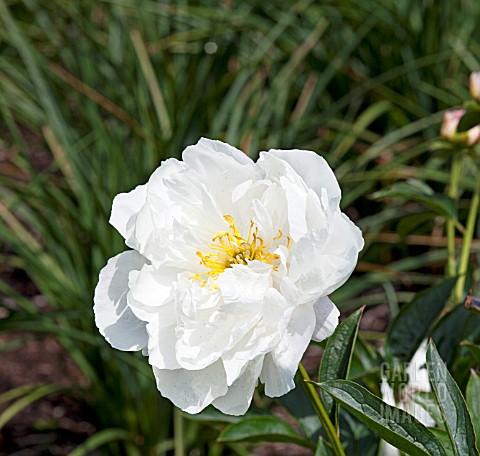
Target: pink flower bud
(451, 119)
(473, 135)
(475, 85)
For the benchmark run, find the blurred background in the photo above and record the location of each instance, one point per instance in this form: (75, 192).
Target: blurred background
(95, 94)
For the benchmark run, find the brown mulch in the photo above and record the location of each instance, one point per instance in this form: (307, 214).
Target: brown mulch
(56, 423)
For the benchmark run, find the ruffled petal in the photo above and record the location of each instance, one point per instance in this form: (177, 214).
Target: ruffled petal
(207, 326)
(239, 395)
(150, 298)
(149, 290)
(261, 339)
(221, 168)
(322, 261)
(314, 171)
(125, 208)
(326, 317)
(281, 364)
(210, 145)
(245, 285)
(192, 391)
(113, 317)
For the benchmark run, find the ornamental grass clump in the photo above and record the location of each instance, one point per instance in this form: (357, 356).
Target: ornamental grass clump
(229, 272)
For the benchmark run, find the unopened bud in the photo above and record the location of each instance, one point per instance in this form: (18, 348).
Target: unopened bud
(473, 135)
(449, 129)
(475, 85)
(450, 122)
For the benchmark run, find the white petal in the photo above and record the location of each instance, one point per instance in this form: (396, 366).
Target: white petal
(239, 395)
(322, 261)
(297, 208)
(150, 289)
(150, 298)
(280, 365)
(125, 208)
(192, 391)
(346, 239)
(246, 284)
(224, 148)
(161, 332)
(326, 315)
(220, 168)
(205, 328)
(262, 338)
(114, 318)
(156, 183)
(314, 171)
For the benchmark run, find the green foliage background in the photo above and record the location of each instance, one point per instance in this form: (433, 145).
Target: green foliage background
(107, 89)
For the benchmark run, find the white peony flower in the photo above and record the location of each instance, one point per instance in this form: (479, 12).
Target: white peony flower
(229, 274)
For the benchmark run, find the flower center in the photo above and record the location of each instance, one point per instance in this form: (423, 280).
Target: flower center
(230, 247)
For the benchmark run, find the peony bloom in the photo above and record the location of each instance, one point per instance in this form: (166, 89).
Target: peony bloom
(450, 122)
(229, 274)
(448, 130)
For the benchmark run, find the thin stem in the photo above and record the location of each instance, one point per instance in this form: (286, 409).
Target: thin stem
(467, 243)
(321, 412)
(178, 432)
(453, 193)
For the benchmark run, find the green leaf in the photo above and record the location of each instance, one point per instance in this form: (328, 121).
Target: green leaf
(444, 439)
(300, 407)
(429, 403)
(452, 405)
(455, 326)
(474, 349)
(416, 190)
(33, 394)
(263, 429)
(357, 439)
(393, 425)
(473, 402)
(337, 357)
(212, 415)
(323, 448)
(101, 438)
(415, 319)
(469, 120)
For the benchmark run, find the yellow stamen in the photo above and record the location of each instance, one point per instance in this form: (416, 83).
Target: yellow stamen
(229, 247)
(280, 235)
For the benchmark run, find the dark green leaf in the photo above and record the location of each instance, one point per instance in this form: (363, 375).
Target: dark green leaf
(473, 402)
(428, 402)
(299, 406)
(323, 449)
(357, 439)
(337, 357)
(212, 415)
(473, 348)
(412, 324)
(444, 439)
(457, 325)
(416, 190)
(469, 120)
(393, 425)
(452, 405)
(263, 429)
(101, 438)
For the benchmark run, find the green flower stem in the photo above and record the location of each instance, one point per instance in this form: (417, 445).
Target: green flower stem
(453, 194)
(178, 441)
(321, 412)
(467, 243)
